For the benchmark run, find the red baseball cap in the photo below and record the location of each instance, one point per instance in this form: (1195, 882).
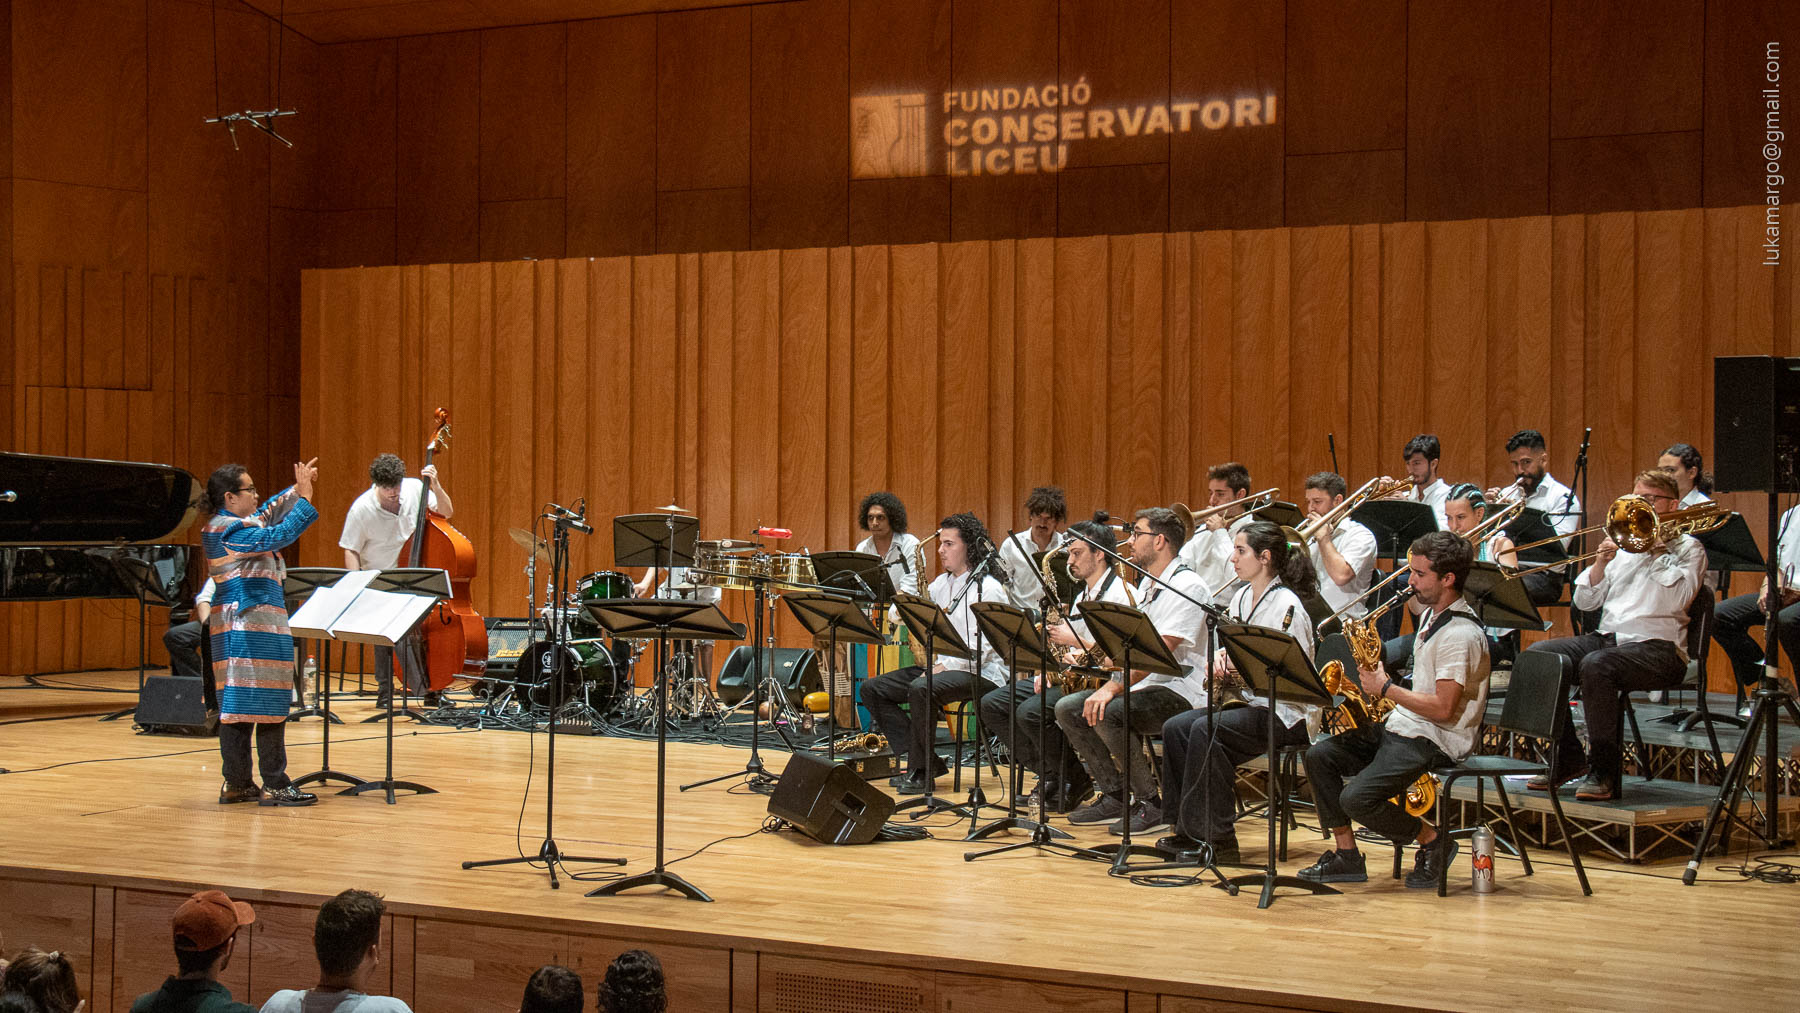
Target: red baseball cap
(207, 919)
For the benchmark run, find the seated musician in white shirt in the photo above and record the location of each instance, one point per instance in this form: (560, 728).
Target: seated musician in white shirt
(883, 516)
(1421, 456)
(1684, 464)
(1208, 552)
(1045, 510)
(1343, 555)
(1094, 720)
(1065, 781)
(1526, 453)
(898, 701)
(1640, 644)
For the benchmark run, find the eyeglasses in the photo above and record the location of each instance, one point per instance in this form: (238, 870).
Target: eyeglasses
(1139, 532)
(245, 489)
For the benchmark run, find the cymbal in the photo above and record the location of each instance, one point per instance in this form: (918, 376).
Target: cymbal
(530, 543)
(673, 509)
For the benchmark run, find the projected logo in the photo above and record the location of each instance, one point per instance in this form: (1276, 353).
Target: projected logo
(1014, 130)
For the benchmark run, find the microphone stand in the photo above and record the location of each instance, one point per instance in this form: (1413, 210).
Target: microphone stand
(977, 797)
(1576, 551)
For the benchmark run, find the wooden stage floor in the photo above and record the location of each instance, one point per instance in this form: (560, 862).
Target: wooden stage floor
(91, 854)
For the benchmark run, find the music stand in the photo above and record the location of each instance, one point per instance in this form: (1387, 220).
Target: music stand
(1731, 547)
(555, 661)
(1127, 634)
(408, 580)
(665, 619)
(425, 582)
(873, 586)
(835, 620)
(929, 625)
(1281, 513)
(1500, 600)
(149, 588)
(1011, 630)
(1268, 660)
(297, 587)
(1533, 525)
(1395, 522)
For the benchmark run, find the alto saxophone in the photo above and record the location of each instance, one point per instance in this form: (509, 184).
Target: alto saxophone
(1089, 657)
(1363, 710)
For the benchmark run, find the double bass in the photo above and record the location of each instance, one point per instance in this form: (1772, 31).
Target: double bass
(452, 634)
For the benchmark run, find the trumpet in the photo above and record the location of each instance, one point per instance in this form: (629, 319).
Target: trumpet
(1375, 488)
(1635, 526)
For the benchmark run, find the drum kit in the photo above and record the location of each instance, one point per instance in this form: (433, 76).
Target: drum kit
(595, 670)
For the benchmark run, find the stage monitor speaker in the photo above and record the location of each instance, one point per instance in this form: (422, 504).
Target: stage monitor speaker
(173, 704)
(1756, 421)
(507, 640)
(795, 668)
(829, 802)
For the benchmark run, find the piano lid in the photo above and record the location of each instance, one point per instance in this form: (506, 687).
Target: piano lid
(60, 500)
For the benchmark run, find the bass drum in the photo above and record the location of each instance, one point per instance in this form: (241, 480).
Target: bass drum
(586, 671)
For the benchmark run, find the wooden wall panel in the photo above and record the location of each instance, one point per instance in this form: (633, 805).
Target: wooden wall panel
(781, 386)
(522, 123)
(703, 99)
(799, 137)
(1222, 179)
(1477, 148)
(611, 193)
(359, 93)
(900, 48)
(51, 916)
(1346, 76)
(1618, 69)
(79, 92)
(439, 149)
(1009, 42)
(1625, 172)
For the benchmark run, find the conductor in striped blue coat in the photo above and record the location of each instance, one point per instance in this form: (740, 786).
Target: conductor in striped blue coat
(253, 652)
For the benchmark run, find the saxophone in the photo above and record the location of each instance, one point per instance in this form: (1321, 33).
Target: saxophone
(1363, 710)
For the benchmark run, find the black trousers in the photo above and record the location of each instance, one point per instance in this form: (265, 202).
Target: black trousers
(188, 646)
(1735, 617)
(907, 716)
(1606, 669)
(1041, 754)
(1199, 783)
(1354, 776)
(271, 752)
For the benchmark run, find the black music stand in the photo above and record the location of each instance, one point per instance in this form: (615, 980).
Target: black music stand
(406, 580)
(929, 625)
(149, 588)
(1500, 600)
(1731, 547)
(1281, 513)
(556, 660)
(1268, 660)
(835, 620)
(864, 577)
(426, 582)
(1127, 634)
(299, 585)
(1395, 522)
(1533, 525)
(1011, 630)
(665, 619)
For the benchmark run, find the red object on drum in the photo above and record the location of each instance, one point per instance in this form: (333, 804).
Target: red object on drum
(455, 638)
(775, 532)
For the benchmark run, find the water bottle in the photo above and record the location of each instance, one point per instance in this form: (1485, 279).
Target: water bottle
(1481, 859)
(309, 677)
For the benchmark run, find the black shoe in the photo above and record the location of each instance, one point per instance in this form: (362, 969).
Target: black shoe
(1104, 809)
(289, 796)
(1146, 818)
(231, 796)
(914, 783)
(1179, 845)
(1336, 866)
(1074, 794)
(1225, 851)
(1433, 859)
(432, 699)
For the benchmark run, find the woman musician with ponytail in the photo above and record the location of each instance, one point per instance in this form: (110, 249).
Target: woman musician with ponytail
(1060, 773)
(1200, 757)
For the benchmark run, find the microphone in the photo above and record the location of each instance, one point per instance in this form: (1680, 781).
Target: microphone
(777, 533)
(905, 567)
(9, 497)
(567, 518)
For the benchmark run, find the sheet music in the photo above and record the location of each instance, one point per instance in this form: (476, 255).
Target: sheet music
(320, 612)
(381, 617)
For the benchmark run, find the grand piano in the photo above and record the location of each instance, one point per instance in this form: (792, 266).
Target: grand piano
(75, 527)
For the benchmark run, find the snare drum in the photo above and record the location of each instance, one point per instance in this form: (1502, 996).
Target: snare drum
(603, 584)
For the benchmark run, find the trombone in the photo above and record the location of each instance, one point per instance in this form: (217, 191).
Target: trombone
(1375, 488)
(1635, 526)
(1250, 504)
(1491, 526)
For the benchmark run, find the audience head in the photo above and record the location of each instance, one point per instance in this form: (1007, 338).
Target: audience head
(47, 979)
(633, 984)
(205, 927)
(347, 932)
(552, 989)
(18, 1002)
